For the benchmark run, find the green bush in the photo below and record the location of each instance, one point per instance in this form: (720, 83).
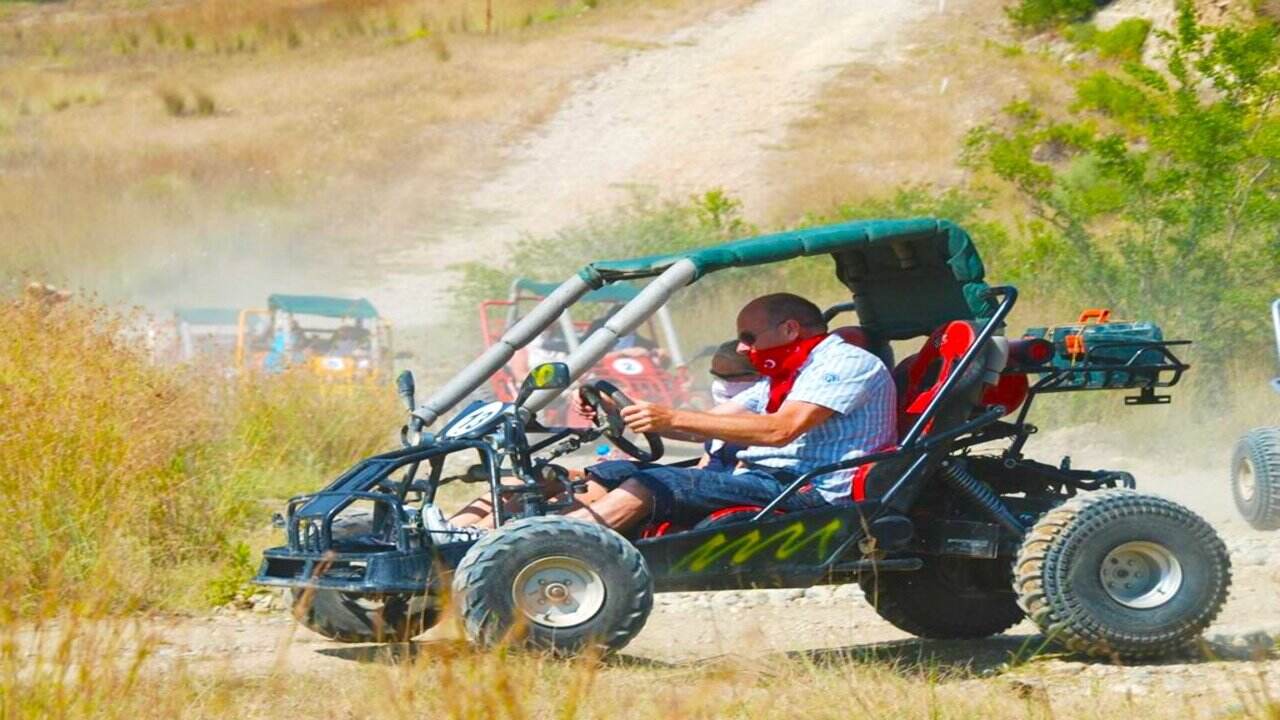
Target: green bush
(1159, 193)
(1125, 40)
(1039, 15)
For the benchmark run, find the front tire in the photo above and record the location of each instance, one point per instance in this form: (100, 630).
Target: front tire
(555, 585)
(948, 598)
(1255, 477)
(1123, 575)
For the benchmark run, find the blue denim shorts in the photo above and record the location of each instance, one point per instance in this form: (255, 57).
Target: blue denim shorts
(686, 495)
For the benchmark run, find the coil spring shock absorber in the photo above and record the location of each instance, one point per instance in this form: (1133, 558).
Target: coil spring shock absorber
(958, 476)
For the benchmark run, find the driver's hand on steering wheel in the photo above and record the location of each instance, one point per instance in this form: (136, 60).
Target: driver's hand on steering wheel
(644, 417)
(582, 407)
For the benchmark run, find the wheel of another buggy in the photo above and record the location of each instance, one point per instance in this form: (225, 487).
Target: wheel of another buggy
(1255, 477)
(553, 584)
(1122, 575)
(607, 401)
(948, 598)
(355, 618)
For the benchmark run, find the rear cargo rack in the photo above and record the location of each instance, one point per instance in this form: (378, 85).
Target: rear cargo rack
(1142, 365)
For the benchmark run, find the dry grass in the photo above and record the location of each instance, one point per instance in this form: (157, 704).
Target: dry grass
(314, 115)
(118, 670)
(121, 477)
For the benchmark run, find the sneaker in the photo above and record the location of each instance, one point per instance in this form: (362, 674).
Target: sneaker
(443, 532)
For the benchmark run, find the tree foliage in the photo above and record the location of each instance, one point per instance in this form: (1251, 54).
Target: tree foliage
(1158, 191)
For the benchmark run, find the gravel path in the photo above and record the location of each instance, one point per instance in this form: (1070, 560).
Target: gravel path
(703, 108)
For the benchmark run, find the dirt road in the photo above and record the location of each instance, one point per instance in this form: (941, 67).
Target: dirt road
(700, 108)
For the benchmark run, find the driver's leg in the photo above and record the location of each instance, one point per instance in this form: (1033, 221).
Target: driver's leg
(601, 478)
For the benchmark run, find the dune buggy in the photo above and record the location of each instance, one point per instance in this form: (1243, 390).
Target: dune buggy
(336, 339)
(1255, 466)
(952, 533)
(651, 366)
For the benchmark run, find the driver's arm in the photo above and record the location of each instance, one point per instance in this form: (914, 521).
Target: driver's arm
(743, 427)
(721, 410)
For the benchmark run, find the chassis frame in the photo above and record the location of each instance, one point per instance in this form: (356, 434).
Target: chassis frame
(798, 549)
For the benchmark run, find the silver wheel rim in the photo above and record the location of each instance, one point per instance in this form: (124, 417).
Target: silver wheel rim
(1246, 483)
(1141, 575)
(558, 592)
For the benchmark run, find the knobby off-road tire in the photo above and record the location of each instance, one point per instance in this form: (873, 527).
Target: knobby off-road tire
(948, 598)
(1123, 575)
(553, 584)
(355, 618)
(1255, 477)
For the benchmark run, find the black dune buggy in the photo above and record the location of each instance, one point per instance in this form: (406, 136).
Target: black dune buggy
(1255, 465)
(953, 533)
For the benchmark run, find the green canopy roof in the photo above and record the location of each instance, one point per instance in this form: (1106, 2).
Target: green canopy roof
(619, 293)
(323, 306)
(907, 276)
(208, 316)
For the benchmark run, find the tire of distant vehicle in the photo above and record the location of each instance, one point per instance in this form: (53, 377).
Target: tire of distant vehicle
(948, 598)
(1255, 477)
(1122, 575)
(357, 618)
(553, 584)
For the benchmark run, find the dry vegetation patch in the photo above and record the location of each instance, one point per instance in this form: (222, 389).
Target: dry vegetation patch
(130, 134)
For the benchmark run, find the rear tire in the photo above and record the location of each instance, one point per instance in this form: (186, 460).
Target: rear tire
(554, 585)
(1119, 574)
(947, 599)
(1255, 477)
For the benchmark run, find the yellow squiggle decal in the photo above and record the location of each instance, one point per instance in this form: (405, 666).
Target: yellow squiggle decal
(789, 541)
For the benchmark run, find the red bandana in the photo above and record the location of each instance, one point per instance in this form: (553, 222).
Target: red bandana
(782, 365)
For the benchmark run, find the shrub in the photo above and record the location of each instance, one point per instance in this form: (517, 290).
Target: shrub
(174, 102)
(1040, 15)
(1159, 194)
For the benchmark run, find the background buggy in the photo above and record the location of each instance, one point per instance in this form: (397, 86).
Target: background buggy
(651, 367)
(1255, 465)
(946, 540)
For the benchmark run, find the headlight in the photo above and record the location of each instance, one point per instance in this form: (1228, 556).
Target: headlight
(363, 363)
(334, 363)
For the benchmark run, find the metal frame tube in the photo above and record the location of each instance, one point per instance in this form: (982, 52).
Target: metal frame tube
(491, 360)
(597, 345)
(570, 332)
(669, 334)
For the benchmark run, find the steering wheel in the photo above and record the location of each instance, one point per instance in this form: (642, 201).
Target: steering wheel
(607, 401)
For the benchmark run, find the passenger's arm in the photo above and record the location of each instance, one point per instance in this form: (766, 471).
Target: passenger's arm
(792, 420)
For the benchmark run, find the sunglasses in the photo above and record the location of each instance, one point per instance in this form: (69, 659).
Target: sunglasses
(748, 338)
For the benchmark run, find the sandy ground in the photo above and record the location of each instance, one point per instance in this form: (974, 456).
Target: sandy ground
(700, 108)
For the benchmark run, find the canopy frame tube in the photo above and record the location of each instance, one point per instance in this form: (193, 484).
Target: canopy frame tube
(500, 353)
(652, 299)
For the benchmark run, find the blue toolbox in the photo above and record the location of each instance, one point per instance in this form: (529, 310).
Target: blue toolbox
(1096, 353)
